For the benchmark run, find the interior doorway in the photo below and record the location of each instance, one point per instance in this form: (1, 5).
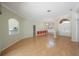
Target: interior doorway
(65, 27)
(34, 30)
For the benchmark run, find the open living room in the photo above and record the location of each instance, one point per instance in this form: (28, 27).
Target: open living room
(39, 28)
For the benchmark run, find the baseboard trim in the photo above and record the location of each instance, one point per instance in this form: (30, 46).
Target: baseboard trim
(10, 44)
(75, 40)
(14, 43)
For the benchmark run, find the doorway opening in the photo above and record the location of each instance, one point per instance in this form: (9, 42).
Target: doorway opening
(65, 27)
(34, 30)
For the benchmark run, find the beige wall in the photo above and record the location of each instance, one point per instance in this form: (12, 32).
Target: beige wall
(28, 27)
(1, 34)
(6, 39)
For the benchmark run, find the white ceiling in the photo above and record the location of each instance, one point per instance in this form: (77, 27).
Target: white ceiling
(38, 10)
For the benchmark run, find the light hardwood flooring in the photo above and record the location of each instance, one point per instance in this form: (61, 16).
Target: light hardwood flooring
(41, 46)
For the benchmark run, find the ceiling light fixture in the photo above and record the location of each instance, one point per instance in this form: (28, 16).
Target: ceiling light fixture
(48, 10)
(70, 9)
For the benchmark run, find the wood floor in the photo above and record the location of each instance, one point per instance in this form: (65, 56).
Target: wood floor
(42, 46)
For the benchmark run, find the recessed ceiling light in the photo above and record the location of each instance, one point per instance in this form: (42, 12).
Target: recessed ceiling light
(48, 10)
(70, 9)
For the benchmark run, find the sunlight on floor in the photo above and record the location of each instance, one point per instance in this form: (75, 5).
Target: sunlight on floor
(51, 43)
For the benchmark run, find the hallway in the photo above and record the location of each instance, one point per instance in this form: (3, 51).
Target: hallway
(39, 46)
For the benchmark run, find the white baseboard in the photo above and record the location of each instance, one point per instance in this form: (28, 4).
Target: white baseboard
(75, 40)
(11, 44)
(14, 43)
(0, 53)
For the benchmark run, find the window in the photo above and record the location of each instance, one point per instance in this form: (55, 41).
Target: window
(13, 26)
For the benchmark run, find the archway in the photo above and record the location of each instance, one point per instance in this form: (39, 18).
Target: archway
(64, 27)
